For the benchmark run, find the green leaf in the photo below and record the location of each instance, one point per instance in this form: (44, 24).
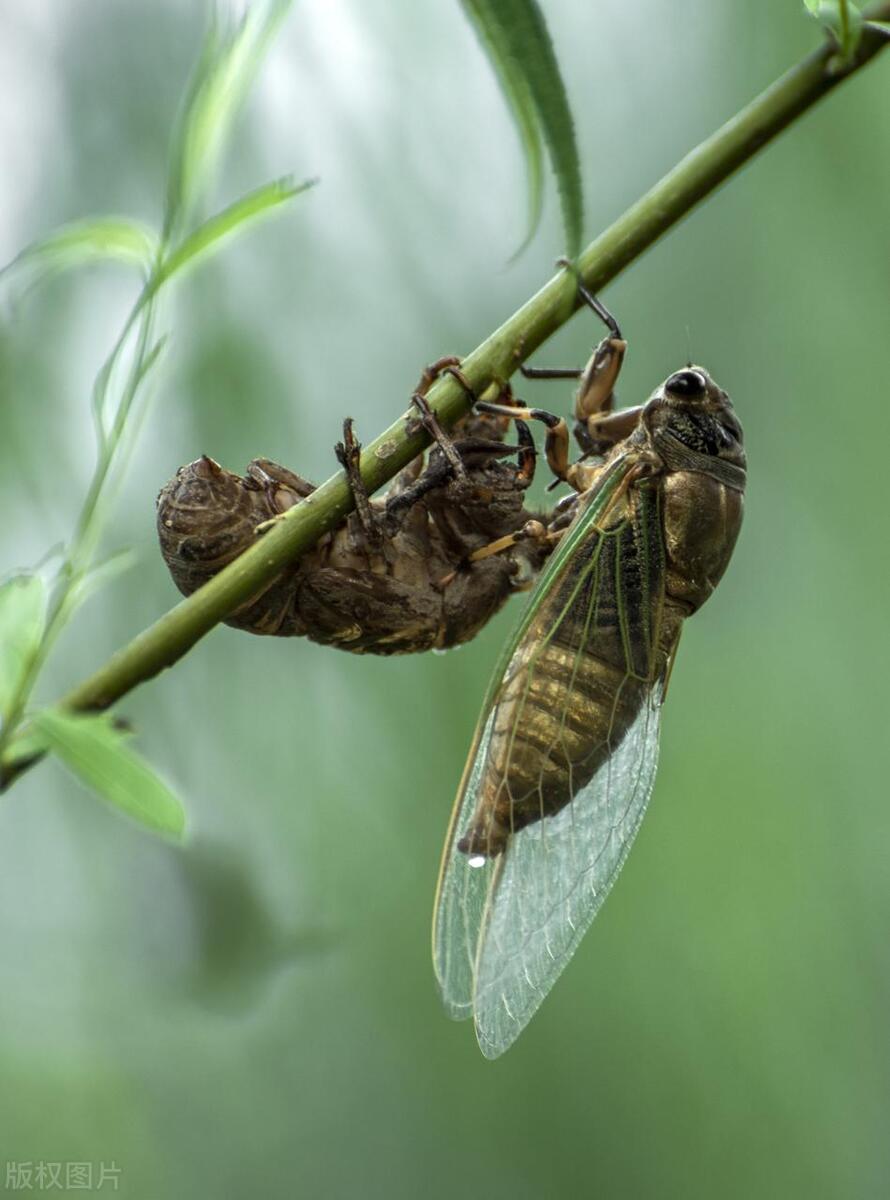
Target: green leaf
(521, 104)
(879, 26)
(207, 237)
(23, 603)
(224, 73)
(96, 752)
(98, 239)
(515, 37)
(26, 743)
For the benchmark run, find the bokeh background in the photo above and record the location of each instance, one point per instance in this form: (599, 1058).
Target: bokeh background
(256, 1014)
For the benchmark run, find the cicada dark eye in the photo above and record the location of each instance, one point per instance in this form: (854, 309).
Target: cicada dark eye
(686, 383)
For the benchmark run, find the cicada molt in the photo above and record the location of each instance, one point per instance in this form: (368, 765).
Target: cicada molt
(412, 571)
(563, 761)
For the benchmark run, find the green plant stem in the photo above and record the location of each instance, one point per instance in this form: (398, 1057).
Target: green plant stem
(86, 535)
(704, 169)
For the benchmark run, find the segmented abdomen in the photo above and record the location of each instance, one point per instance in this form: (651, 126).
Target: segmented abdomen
(207, 516)
(578, 678)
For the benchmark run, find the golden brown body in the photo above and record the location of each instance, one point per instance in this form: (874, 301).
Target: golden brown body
(563, 763)
(608, 628)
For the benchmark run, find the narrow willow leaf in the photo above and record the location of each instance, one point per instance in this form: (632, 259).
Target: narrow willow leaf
(224, 73)
(96, 752)
(208, 237)
(521, 104)
(23, 602)
(880, 27)
(204, 240)
(94, 240)
(515, 36)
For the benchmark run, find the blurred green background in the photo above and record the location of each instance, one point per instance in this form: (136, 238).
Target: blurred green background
(256, 1014)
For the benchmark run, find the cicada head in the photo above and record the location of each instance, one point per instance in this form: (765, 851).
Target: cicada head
(692, 409)
(690, 424)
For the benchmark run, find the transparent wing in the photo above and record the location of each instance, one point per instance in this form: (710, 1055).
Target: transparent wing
(542, 895)
(507, 923)
(462, 900)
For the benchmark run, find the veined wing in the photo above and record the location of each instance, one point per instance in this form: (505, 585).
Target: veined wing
(505, 926)
(462, 891)
(550, 884)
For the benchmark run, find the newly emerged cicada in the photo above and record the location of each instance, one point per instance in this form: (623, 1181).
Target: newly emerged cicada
(564, 757)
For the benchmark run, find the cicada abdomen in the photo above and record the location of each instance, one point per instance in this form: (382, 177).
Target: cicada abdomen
(207, 516)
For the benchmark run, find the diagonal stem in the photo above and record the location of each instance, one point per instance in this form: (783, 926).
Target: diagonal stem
(697, 175)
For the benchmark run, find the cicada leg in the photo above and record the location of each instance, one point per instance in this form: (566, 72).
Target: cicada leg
(349, 454)
(531, 531)
(556, 445)
(611, 428)
(595, 397)
(408, 494)
(283, 488)
(439, 471)
(430, 374)
(470, 428)
(604, 430)
(597, 426)
(443, 366)
(406, 479)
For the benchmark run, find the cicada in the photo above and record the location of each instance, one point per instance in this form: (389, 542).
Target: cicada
(563, 761)
(425, 567)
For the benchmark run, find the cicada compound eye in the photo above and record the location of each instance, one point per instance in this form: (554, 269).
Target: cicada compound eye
(687, 383)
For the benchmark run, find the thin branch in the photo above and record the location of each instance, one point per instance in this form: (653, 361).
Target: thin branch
(704, 169)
